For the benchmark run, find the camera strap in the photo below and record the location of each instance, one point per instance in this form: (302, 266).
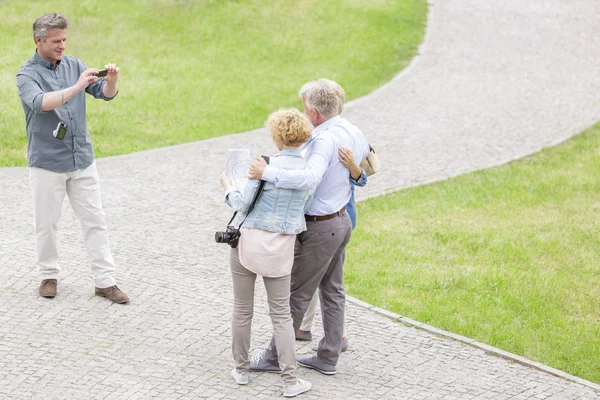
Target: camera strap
(254, 200)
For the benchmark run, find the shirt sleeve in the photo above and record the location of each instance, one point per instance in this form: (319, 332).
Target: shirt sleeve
(241, 201)
(30, 92)
(307, 178)
(96, 89)
(361, 181)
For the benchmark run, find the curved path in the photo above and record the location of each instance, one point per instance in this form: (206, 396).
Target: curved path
(494, 81)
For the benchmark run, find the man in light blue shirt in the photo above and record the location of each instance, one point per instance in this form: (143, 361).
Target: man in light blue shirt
(320, 250)
(358, 177)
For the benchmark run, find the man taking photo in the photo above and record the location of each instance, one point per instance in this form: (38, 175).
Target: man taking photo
(52, 89)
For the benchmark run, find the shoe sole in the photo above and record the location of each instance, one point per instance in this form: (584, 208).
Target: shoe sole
(116, 302)
(296, 394)
(314, 349)
(48, 296)
(272, 371)
(317, 369)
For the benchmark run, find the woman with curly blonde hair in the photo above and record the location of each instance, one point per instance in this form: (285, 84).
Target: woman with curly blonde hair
(266, 248)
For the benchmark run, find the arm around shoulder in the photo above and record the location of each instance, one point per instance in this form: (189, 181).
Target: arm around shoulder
(307, 178)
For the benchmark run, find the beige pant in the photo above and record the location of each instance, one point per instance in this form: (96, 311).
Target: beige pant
(309, 316)
(83, 188)
(278, 295)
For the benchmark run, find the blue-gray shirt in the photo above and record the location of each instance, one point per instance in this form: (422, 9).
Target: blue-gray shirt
(37, 77)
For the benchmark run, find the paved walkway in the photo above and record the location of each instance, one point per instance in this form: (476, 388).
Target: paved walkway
(495, 81)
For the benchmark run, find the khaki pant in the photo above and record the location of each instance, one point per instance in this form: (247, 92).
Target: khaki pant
(278, 295)
(83, 189)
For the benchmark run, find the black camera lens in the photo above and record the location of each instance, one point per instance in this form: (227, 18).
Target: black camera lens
(221, 237)
(230, 236)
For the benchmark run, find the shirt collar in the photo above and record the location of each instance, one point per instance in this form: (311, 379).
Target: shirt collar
(289, 152)
(326, 125)
(43, 62)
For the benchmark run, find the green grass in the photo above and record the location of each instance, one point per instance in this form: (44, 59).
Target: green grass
(192, 70)
(509, 256)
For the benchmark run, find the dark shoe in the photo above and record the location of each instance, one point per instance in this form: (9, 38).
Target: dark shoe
(113, 293)
(48, 288)
(259, 362)
(304, 336)
(345, 344)
(313, 362)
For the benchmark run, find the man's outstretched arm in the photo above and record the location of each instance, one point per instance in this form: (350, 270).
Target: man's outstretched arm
(39, 101)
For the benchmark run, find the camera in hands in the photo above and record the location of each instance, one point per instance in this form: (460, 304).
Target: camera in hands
(231, 236)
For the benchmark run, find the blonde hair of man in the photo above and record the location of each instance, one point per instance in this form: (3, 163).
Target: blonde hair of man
(289, 127)
(324, 95)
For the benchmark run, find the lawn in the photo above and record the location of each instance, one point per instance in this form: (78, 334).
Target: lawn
(192, 70)
(509, 256)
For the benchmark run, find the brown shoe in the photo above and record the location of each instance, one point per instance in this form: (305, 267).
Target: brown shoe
(48, 288)
(305, 336)
(113, 293)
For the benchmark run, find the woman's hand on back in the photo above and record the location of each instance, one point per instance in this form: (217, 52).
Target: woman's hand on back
(347, 159)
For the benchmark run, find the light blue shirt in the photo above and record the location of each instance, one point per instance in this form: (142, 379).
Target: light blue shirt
(324, 172)
(277, 210)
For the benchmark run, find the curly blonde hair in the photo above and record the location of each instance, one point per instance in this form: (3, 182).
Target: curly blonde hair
(289, 127)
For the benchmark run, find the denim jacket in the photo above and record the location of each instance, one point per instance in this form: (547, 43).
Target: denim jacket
(277, 210)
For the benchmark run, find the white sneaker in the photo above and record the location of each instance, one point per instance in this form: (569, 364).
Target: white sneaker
(301, 386)
(241, 378)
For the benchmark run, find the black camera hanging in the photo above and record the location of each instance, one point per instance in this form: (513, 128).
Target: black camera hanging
(231, 236)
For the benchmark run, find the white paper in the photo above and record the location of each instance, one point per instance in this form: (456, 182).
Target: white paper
(238, 164)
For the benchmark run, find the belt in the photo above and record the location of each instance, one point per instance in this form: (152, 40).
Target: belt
(315, 218)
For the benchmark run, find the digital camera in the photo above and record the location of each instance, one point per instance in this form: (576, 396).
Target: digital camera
(60, 131)
(231, 236)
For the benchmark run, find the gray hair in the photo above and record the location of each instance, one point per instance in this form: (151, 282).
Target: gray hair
(324, 95)
(47, 22)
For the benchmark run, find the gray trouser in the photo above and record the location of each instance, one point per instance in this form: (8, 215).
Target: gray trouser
(309, 315)
(319, 263)
(278, 295)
